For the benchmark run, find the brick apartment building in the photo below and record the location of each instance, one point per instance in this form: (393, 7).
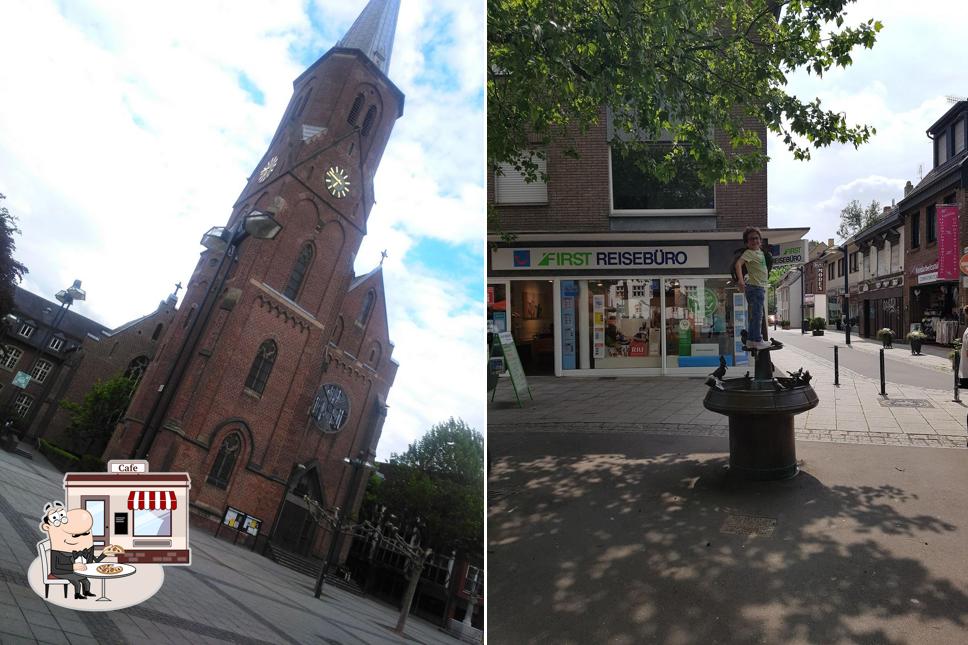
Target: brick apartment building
(611, 273)
(64, 354)
(271, 383)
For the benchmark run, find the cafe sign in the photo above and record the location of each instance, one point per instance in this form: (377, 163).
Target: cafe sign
(607, 257)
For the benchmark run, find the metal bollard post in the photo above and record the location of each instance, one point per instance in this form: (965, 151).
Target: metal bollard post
(957, 363)
(836, 367)
(883, 384)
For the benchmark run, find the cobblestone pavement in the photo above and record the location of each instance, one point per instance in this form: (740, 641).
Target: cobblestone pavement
(853, 412)
(228, 594)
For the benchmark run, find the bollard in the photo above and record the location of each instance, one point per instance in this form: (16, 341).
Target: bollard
(883, 384)
(957, 363)
(836, 367)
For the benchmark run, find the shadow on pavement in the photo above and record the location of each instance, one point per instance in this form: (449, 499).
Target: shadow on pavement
(632, 539)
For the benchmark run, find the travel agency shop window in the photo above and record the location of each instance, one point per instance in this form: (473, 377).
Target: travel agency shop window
(656, 308)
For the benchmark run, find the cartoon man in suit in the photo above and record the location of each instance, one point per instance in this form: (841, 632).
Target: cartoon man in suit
(71, 545)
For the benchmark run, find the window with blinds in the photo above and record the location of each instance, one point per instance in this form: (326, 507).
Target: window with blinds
(510, 186)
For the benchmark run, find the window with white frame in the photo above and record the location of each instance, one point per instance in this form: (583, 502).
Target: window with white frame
(883, 256)
(21, 404)
(867, 263)
(473, 580)
(41, 370)
(56, 344)
(27, 330)
(512, 187)
(896, 257)
(11, 356)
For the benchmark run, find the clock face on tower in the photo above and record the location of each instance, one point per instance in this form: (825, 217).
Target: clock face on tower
(331, 408)
(270, 166)
(338, 182)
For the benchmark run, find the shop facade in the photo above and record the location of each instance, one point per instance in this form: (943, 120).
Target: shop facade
(612, 307)
(936, 234)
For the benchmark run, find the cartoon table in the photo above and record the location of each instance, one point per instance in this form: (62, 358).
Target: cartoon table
(92, 572)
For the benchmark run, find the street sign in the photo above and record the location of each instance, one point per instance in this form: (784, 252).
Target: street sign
(519, 381)
(964, 263)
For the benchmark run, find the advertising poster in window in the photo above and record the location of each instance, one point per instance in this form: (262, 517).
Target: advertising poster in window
(739, 324)
(598, 325)
(569, 295)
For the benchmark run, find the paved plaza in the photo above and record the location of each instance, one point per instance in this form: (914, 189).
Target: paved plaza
(612, 517)
(853, 412)
(227, 595)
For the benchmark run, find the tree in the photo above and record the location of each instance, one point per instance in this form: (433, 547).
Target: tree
(855, 218)
(689, 69)
(437, 485)
(93, 420)
(11, 271)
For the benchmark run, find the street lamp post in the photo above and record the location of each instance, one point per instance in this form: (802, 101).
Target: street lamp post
(256, 224)
(358, 466)
(845, 314)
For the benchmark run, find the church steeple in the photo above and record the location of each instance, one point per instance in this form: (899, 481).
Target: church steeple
(372, 33)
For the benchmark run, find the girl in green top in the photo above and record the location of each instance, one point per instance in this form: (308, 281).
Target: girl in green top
(754, 285)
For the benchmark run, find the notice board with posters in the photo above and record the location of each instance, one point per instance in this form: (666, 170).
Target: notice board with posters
(512, 361)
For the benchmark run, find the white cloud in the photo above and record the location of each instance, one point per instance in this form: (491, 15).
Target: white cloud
(126, 132)
(899, 87)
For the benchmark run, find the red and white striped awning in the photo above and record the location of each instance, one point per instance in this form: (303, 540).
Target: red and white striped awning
(152, 500)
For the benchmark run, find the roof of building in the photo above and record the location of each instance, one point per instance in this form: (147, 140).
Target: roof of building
(372, 32)
(943, 120)
(30, 306)
(932, 179)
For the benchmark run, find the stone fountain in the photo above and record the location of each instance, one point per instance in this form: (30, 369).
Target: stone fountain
(761, 410)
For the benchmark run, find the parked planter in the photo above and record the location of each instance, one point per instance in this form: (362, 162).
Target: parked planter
(817, 332)
(916, 347)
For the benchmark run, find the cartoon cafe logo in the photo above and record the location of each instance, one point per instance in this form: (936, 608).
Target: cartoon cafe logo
(106, 545)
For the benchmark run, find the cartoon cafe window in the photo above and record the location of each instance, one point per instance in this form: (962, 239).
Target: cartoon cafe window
(261, 367)
(152, 512)
(331, 408)
(224, 462)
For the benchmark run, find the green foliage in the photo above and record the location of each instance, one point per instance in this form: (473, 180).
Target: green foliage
(440, 480)
(854, 217)
(93, 420)
(916, 335)
(11, 271)
(818, 324)
(63, 460)
(696, 70)
(885, 333)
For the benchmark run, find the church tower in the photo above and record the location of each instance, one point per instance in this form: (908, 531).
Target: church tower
(271, 382)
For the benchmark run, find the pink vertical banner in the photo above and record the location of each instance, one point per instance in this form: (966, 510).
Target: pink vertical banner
(948, 242)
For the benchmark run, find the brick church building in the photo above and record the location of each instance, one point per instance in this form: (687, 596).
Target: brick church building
(271, 382)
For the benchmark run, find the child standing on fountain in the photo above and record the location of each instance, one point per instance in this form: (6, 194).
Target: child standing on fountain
(754, 285)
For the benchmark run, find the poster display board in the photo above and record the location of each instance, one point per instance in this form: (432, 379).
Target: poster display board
(569, 314)
(519, 382)
(739, 324)
(598, 326)
(948, 246)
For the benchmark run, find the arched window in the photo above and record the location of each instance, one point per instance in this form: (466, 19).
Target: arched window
(136, 369)
(224, 462)
(261, 367)
(299, 272)
(157, 334)
(367, 308)
(355, 110)
(368, 121)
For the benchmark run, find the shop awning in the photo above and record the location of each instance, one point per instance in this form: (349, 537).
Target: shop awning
(152, 500)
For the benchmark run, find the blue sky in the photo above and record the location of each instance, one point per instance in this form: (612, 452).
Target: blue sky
(127, 131)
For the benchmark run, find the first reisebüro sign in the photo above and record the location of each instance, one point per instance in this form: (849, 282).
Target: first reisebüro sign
(608, 257)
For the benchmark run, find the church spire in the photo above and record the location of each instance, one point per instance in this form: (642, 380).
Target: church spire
(372, 33)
